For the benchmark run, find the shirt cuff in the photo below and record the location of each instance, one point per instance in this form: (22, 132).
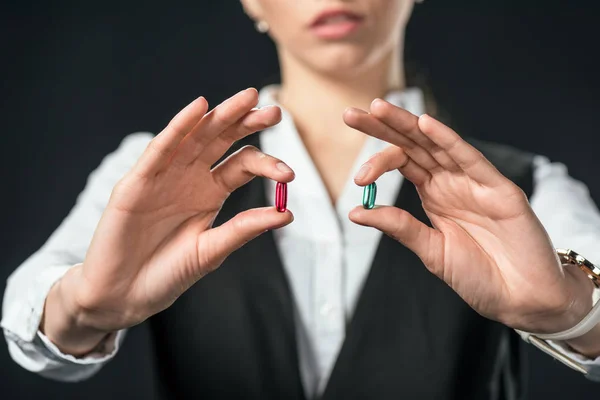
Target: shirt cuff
(23, 317)
(43, 357)
(33, 350)
(103, 352)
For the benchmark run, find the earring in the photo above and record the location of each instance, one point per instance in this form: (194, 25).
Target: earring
(262, 26)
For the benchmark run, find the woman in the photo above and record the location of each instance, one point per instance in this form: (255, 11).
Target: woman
(321, 307)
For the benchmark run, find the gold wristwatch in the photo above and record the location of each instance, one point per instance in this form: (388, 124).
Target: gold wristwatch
(568, 258)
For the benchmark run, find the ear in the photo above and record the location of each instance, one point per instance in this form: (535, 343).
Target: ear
(252, 8)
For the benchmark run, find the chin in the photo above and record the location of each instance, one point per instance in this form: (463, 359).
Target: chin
(344, 61)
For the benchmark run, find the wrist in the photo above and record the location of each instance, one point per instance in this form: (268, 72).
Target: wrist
(581, 291)
(62, 324)
(571, 301)
(589, 343)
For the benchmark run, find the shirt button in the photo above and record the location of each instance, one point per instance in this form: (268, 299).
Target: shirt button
(326, 309)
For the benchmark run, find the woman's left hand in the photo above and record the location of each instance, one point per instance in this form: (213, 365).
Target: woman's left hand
(487, 244)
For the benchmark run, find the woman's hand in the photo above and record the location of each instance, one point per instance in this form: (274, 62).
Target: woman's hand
(487, 243)
(155, 238)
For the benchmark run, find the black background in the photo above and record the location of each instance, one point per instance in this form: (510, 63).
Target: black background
(79, 76)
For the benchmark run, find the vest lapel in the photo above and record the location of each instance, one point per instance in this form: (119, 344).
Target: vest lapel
(392, 295)
(411, 334)
(268, 299)
(270, 305)
(231, 335)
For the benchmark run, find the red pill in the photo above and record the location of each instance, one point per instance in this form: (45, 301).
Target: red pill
(281, 196)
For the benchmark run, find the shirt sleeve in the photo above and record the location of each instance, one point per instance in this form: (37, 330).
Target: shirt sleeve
(28, 286)
(571, 218)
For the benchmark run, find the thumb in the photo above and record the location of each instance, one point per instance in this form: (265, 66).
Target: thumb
(223, 240)
(400, 225)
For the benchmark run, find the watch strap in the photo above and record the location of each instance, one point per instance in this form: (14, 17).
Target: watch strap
(539, 340)
(583, 327)
(569, 257)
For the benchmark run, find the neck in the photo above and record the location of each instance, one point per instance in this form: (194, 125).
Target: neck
(316, 100)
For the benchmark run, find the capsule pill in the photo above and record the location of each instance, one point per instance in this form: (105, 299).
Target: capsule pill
(369, 196)
(281, 197)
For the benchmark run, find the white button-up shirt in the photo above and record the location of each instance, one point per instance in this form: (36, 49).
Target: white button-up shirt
(325, 255)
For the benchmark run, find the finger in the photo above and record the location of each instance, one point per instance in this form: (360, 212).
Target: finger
(246, 163)
(369, 124)
(407, 124)
(161, 148)
(213, 124)
(425, 242)
(225, 239)
(388, 160)
(253, 121)
(468, 158)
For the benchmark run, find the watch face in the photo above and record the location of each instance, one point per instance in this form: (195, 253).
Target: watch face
(589, 268)
(572, 257)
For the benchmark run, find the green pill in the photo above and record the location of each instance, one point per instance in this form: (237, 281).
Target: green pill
(369, 196)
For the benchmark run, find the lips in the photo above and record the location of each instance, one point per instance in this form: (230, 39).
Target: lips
(336, 24)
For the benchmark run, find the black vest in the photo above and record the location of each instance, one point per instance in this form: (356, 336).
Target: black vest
(232, 335)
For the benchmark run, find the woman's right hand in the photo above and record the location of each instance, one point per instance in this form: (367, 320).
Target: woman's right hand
(155, 238)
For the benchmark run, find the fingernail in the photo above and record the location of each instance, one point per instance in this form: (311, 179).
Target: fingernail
(355, 213)
(247, 90)
(283, 168)
(375, 101)
(356, 110)
(362, 172)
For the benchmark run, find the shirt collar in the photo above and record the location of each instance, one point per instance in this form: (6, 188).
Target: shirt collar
(316, 217)
(411, 99)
